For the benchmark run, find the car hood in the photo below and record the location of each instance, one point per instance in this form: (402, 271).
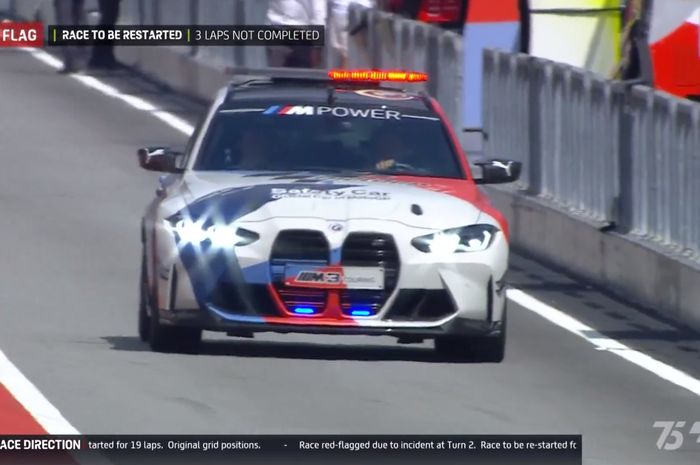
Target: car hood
(432, 203)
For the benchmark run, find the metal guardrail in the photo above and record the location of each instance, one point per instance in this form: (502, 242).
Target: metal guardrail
(591, 146)
(562, 123)
(664, 184)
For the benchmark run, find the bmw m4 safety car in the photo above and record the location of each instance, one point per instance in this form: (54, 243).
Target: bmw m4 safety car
(324, 202)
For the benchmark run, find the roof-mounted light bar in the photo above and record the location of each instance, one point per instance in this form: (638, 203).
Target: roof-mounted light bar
(375, 75)
(242, 77)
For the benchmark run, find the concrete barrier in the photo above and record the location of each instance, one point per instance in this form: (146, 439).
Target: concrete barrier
(626, 267)
(180, 71)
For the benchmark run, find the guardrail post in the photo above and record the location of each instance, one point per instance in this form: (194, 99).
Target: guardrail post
(534, 158)
(433, 60)
(624, 208)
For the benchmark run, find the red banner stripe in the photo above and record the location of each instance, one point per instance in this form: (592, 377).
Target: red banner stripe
(21, 34)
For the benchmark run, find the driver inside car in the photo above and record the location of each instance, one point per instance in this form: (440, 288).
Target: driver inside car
(254, 149)
(389, 151)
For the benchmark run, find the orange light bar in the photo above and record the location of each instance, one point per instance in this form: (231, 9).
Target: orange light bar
(374, 75)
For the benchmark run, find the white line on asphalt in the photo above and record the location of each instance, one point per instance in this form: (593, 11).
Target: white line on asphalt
(131, 100)
(559, 318)
(602, 342)
(32, 399)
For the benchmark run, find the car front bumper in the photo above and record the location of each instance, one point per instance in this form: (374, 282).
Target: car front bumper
(460, 293)
(212, 320)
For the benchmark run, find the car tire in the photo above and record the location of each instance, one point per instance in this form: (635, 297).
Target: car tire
(491, 349)
(144, 318)
(482, 349)
(163, 338)
(173, 339)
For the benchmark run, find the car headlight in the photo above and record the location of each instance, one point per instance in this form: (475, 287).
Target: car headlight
(474, 238)
(218, 236)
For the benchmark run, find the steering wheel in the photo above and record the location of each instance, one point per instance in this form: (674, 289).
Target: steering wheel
(404, 168)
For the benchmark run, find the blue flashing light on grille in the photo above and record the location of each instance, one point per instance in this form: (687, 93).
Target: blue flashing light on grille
(360, 312)
(304, 310)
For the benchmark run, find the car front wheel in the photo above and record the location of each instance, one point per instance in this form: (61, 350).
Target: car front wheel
(484, 349)
(162, 338)
(144, 319)
(173, 338)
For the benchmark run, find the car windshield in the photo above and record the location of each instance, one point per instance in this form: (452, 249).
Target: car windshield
(317, 138)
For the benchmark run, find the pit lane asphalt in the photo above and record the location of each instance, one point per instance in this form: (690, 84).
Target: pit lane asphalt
(71, 197)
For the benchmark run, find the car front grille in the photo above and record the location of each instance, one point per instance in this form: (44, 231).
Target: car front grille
(299, 247)
(310, 248)
(370, 250)
(300, 244)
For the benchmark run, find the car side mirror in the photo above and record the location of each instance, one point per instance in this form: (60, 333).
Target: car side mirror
(498, 171)
(163, 159)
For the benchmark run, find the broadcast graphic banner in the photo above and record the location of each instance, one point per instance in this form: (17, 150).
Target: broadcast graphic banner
(21, 34)
(239, 35)
(244, 450)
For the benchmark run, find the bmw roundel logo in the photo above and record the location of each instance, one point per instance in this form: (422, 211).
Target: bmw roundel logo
(336, 227)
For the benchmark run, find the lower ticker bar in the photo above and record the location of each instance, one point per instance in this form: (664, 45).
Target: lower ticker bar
(126, 449)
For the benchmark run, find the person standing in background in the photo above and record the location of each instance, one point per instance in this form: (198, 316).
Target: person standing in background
(339, 31)
(295, 13)
(70, 13)
(103, 55)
